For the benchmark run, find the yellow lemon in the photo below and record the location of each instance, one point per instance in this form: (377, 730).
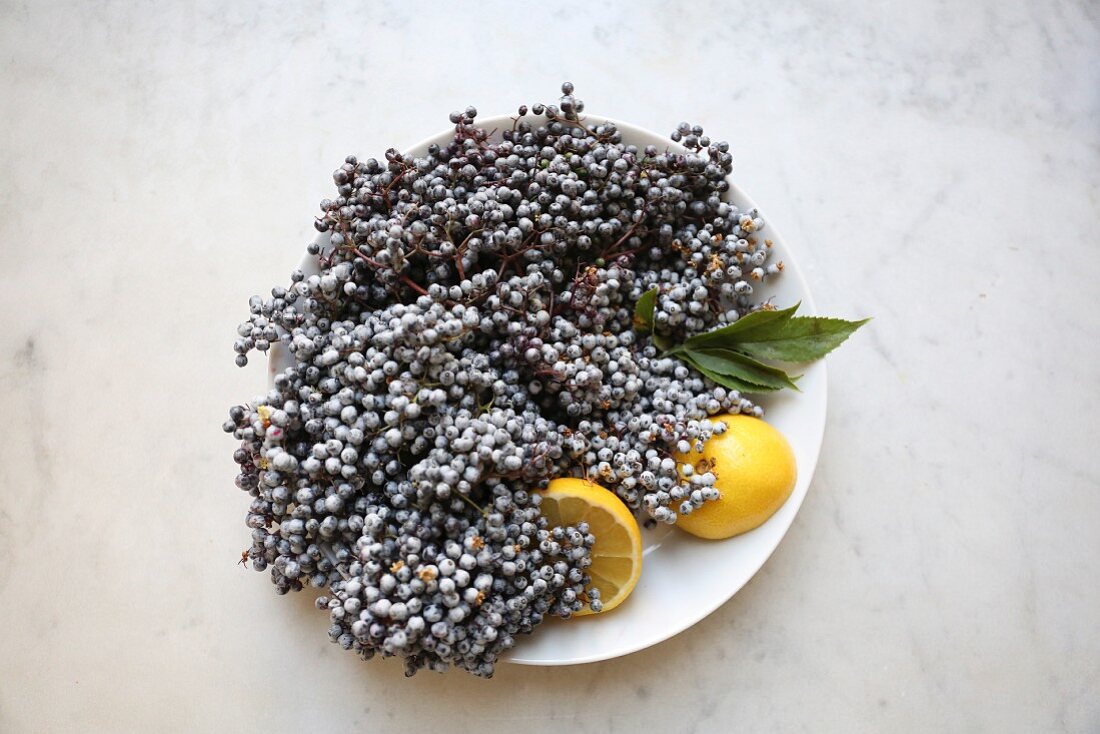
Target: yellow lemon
(754, 469)
(617, 553)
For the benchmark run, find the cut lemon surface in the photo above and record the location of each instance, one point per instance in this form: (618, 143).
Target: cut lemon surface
(617, 553)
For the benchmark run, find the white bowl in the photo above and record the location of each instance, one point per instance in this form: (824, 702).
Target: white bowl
(683, 578)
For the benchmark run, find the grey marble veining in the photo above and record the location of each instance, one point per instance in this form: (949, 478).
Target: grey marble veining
(934, 164)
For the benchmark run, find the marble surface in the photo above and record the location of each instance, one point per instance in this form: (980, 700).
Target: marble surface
(935, 164)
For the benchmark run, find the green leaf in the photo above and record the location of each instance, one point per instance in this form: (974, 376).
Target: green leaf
(643, 312)
(801, 339)
(643, 319)
(728, 362)
(728, 381)
(750, 325)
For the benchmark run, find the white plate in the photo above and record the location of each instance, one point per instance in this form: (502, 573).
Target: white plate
(683, 578)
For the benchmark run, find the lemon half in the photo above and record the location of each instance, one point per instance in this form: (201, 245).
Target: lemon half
(755, 472)
(617, 553)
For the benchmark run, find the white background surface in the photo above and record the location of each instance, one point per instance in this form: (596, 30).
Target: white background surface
(933, 164)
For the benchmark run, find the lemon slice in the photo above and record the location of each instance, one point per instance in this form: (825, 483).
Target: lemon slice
(617, 553)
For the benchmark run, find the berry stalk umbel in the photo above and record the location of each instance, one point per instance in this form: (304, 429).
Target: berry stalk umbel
(468, 338)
